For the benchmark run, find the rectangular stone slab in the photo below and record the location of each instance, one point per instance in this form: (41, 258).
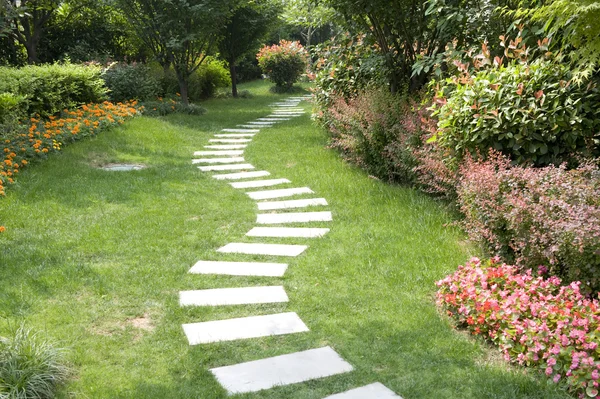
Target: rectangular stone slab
(262, 123)
(286, 117)
(372, 391)
(218, 160)
(234, 135)
(232, 141)
(233, 296)
(261, 126)
(227, 146)
(290, 113)
(243, 328)
(303, 232)
(286, 192)
(259, 183)
(239, 268)
(272, 119)
(284, 105)
(263, 249)
(299, 217)
(242, 175)
(281, 370)
(240, 130)
(224, 152)
(238, 166)
(290, 204)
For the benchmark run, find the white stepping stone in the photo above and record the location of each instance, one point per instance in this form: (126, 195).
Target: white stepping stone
(239, 268)
(240, 130)
(263, 249)
(281, 370)
(286, 192)
(234, 135)
(301, 232)
(259, 183)
(281, 116)
(232, 141)
(290, 204)
(239, 166)
(372, 391)
(273, 119)
(291, 113)
(244, 328)
(218, 160)
(233, 296)
(284, 105)
(226, 152)
(265, 126)
(242, 175)
(262, 123)
(227, 146)
(300, 217)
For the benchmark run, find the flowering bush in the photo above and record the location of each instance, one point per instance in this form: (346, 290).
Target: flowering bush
(284, 63)
(44, 137)
(535, 216)
(535, 321)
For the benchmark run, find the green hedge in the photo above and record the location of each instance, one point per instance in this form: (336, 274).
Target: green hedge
(48, 89)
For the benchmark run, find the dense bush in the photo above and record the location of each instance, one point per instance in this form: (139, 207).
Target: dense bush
(535, 321)
(161, 107)
(131, 82)
(532, 112)
(49, 89)
(535, 216)
(202, 84)
(30, 367)
(12, 108)
(284, 62)
(345, 66)
(375, 130)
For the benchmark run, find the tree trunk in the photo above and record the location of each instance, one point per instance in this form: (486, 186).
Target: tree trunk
(233, 74)
(32, 57)
(183, 86)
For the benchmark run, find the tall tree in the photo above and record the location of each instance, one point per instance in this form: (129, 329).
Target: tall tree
(179, 32)
(242, 34)
(308, 15)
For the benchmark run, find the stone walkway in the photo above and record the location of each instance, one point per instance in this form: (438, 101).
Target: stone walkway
(225, 154)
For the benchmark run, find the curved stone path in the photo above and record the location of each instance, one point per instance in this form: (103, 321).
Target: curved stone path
(225, 154)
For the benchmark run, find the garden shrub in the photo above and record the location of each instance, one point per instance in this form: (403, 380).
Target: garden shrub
(375, 130)
(161, 107)
(131, 82)
(535, 321)
(203, 83)
(12, 108)
(345, 66)
(284, 63)
(530, 111)
(535, 216)
(48, 89)
(30, 367)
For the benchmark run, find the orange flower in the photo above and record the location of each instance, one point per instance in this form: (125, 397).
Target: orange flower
(2, 228)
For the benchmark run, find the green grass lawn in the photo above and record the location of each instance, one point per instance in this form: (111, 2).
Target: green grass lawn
(95, 260)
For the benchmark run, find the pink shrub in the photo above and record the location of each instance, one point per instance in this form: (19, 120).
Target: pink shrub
(535, 216)
(535, 321)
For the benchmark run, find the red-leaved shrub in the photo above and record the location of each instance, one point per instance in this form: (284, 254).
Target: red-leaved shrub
(535, 216)
(535, 321)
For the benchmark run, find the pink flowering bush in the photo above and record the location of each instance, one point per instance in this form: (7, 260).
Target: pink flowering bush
(535, 321)
(535, 216)
(284, 62)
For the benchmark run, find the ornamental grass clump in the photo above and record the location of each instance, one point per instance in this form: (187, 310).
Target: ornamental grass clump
(535, 321)
(30, 367)
(284, 63)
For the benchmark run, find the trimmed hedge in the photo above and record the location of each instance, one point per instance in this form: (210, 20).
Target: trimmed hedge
(48, 89)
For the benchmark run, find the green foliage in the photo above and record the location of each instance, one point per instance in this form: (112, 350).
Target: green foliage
(49, 89)
(284, 63)
(574, 26)
(131, 82)
(530, 112)
(30, 367)
(11, 108)
(347, 65)
(163, 107)
(202, 84)
(309, 15)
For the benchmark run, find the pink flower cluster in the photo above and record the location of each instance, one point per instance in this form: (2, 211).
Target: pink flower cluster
(534, 320)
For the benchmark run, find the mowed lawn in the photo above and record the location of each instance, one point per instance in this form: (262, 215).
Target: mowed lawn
(95, 260)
